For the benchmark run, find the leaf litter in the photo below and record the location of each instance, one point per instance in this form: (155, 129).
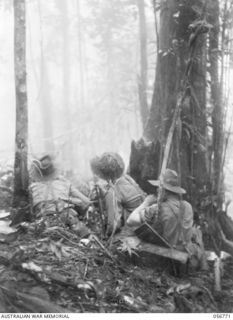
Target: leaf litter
(49, 269)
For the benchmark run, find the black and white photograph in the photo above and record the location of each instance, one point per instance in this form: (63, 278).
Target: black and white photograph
(116, 158)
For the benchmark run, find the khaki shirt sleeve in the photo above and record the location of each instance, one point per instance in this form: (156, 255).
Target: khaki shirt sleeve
(78, 194)
(138, 216)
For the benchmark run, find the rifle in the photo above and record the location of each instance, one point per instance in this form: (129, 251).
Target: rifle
(198, 28)
(181, 96)
(168, 144)
(100, 206)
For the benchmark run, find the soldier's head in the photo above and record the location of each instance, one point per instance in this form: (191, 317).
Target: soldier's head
(170, 183)
(109, 166)
(42, 168)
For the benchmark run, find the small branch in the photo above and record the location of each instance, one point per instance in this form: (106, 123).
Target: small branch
(103, 247)
(86, 268)
(210, 295)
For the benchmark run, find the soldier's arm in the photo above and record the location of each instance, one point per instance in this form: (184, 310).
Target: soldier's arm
(78, 194)
(144, 212)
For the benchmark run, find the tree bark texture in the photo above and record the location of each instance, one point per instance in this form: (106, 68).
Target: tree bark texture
(165, 76)
(21, 135)
(216, 94)
(144, 163)
(188, 153)
(193, 151)
(142, 83)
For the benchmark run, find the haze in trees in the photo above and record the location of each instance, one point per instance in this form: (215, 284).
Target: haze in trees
(122, 110)
(103, 73)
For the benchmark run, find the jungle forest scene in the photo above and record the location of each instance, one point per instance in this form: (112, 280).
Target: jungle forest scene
(116, 167)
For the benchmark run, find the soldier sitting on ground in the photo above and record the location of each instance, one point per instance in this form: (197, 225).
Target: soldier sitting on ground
(173, 220)
(121, 195)
(53, 195)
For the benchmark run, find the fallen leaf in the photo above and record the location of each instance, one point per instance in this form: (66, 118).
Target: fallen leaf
(32, 266)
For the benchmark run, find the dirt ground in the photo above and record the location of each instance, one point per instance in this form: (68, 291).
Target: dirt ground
(47, 268)
(79, 276)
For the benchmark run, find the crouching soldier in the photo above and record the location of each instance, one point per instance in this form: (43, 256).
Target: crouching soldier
(173, 220)
(54, 196)
(120, 195)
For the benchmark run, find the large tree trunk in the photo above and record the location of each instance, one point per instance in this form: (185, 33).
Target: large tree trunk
(163, 96)
(163, 100)
(142, 85)
(193, 143)
(144, 163)
(188, 154)
(21, 135)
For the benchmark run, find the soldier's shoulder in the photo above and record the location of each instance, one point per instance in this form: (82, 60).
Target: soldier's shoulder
(187, 204)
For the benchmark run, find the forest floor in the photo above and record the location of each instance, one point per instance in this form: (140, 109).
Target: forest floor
(49, 269)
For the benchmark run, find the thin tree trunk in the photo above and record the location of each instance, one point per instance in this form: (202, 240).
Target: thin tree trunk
(45, 95)
(69, 154)
(216, 94)
(46, 112)
(142, 85)
(21, 135)
(80, 56)
(110, 86)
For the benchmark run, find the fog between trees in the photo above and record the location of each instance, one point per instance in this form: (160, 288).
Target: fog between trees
(83, 64)
(83, 77)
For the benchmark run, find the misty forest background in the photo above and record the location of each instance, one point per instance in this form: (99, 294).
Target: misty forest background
(83, 62)
(102, 73)
(149, 79)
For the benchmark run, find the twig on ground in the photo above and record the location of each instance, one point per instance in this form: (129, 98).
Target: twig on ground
(72, 242)
(108, 253)
(86, 268)
(81, 307)
(209, 294)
